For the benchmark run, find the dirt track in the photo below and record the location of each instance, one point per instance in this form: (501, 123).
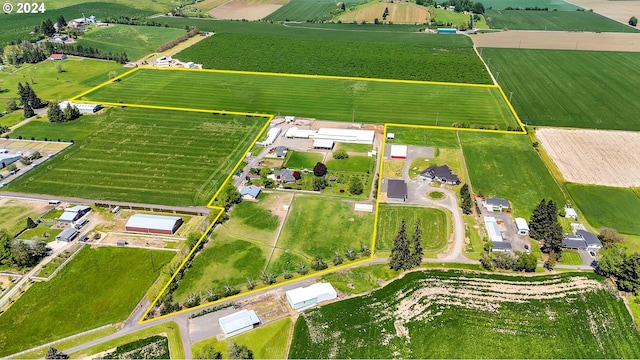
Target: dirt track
(594, 156)
(559, 40)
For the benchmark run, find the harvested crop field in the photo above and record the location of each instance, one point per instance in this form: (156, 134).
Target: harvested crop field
(439, 314)
(248, 10)
(560, 40)
(594, 156)
(398, 13)
(620, 10)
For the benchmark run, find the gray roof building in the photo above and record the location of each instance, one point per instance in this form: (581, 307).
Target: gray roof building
(284, 176)
(590, 239)
(573, 242)
(440, 173)
(396, 190)
(281, 151)
(497, 203)
(251, 191)
(67, 234)
(501, 246)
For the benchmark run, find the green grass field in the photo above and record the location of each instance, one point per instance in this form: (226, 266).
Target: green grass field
(268, 341)
(136, 41)
(603, 206)
(554, 21)
(78, 75)
(82, 296)
(180, 158)
(448, 60)
(316, 226)
(422, 137)
(331, 99)
(354, 163)
(436, 226)
(306, 10)
(14, 214)
(302, 160)
(566, 88)
(362, 278)
(570, 257)
(561, 5)
(450, 314)
(508, 167)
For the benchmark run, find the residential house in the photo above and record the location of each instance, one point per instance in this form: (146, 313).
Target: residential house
(496, 204)
(441, 174)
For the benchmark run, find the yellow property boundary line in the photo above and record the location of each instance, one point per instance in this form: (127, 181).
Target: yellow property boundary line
(270, 117)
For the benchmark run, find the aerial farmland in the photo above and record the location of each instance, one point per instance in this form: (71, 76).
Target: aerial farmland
(210, 179)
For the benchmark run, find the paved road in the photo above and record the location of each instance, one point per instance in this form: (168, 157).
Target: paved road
(203, 210)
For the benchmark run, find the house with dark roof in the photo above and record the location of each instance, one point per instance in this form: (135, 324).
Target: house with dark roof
(581, 240)
(250, 192)
(396, 190)
(573, 242)
(281, 151)
(441, 174)
(496, 204)
(284, 176)
(590, 239)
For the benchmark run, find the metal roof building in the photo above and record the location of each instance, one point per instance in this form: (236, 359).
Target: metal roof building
(250, 192)
(83, 108)
(354, 136)
(272, 135)
(493, 231)
(67, 234)
(154, 224)
(323, 144)
(8, 159)
(521, 226)
(396, 190)
(306, 297)
(399, 151)
(73, 213)
(239, 322)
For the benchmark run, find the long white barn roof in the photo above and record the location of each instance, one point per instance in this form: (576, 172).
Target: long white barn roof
(238, 320)
(303, 294)
(146, 221)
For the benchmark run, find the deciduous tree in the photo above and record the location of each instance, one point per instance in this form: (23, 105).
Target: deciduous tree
(633, 21)
(320, 169)
(30, 223)
(239, 352)
(609, 236)
(355, 186)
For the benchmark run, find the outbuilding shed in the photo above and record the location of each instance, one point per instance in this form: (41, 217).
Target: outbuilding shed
(272, 135)
(73, 213)
(570, 213)
(501, 246)
(250, 192)
(399, 151)
(67, 235)
(83, 108)
(306, 297)
(493, 231)
(323, 144)
(521, 226)
(396, 190)
(153, 224)
(7, 159)
(364, 208)
(239, 322)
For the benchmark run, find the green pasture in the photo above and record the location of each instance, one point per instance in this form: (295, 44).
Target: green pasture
(476, 245)
(446, 61)
(334, 99)
(611, 207)
(12, 118)
(444, 156)
(508, 167)
(78, 75)
(436, 226)
(568, 88)
(422, 137)
(362, 278)
(306, 10)
(135, 41)
(455, 315)
(302, 160)
(63, 345)
(369, 27)
(554, 21)
(38, 233)
(179, 158)
(286, 259)
(354, 148)
(14, 214)
(316, 226)
(560, 5)
(268, 341)
(225, 260)
(353, 163)
(82, 296)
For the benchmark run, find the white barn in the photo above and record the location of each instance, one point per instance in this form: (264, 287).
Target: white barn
(521, 226)
(272, 135)
(306, 297)
(83, 108)
(398, 151)
(239, 322)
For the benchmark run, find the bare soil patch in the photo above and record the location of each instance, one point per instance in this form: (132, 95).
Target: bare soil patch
(398, 13)
(616, 10)
(594, 156)
(269, 307)
(250, 10)
(559, 40)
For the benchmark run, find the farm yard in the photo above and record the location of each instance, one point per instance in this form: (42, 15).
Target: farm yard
(566, 88)
(306, 96)
(380, 55)
(398, 13)
(436, 227)
(437, 314)
(554, 21)
(246, 9)
(128, 158)
(82, 296)
(594, 156)
(508, 167)
(611, 207)
(135, 41)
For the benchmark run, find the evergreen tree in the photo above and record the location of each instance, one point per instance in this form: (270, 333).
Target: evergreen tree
(47, 28)
(553, 239)
(75, 113)
(538, 220)
(66, 114)
(54, 113)
(30, 223)
(34, 100)
(417, 253)
(400, 253)
(28, 111)
(61, 22)
(465, 196)
(23, 92)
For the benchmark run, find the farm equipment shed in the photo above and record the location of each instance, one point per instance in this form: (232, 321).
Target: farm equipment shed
(154, 224)
(238, 322)
(306, 297)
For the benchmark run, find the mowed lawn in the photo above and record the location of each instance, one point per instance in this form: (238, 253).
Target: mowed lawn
(508, 167)
(328, 99)
(302, 160)
(77, 75)
(435, 225)
(611, 207)
(98, 287)
(14, 214)
(554, 21)
(354, 163)
(318, 226)
(458, 315)
(135, 41)
(569, 88)
(143, 155)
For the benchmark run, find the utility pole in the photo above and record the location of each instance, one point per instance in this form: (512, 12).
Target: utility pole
(436, 119)
(510, 95)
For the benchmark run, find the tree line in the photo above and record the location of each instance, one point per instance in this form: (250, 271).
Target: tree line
(18, 253)
(169, 44)
(545, 226)
(58, 115)
(407, 254)
(29, 100)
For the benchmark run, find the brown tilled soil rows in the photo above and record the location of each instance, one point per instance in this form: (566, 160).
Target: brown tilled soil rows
(249, 10)
(598, 157)
(617, 10)
(559, 40)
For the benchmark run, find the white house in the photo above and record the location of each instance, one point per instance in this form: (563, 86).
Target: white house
(306, 297)
(521, 226)
(239, 322)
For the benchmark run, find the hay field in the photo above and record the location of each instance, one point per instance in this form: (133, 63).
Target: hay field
(554, 21)
(455, 315)
(398, 13)
(597, 157)
(532, 39)
(620, 10)
(246, 9)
